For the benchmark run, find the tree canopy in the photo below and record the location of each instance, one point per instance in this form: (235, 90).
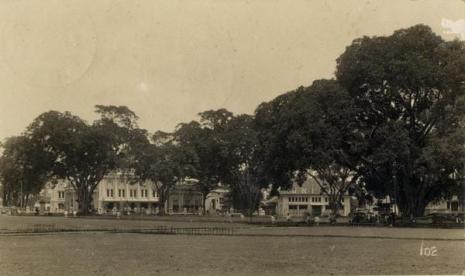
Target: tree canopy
(83, 153)
(409, 89)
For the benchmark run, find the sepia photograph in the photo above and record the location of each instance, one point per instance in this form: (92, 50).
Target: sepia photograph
(232, 137)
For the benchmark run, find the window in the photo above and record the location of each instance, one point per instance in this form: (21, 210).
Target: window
(109, 192)
(154, 193)
(132, 193)
(61, 194)
(146, 194)
(121, 193)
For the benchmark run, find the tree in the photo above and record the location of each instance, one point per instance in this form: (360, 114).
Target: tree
(207, 139)
(83, 154)
(311, 133)
(244, 185)
(409, 89)
(245, 192)
(165, 163)
(22, 171)
(273, 124)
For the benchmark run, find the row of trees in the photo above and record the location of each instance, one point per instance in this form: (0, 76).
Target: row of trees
(390, 123)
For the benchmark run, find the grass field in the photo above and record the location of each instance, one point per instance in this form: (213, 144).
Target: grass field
(252, 251)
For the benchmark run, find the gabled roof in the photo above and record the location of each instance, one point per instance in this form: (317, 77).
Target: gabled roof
(310, 186)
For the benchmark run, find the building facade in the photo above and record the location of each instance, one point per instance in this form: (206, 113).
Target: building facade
(119, 193)
(450, 206)
(185, 198)
(115, 193)
(309, 199)
(217, 201)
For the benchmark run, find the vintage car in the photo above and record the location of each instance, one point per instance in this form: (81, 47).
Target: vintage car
(362, 217)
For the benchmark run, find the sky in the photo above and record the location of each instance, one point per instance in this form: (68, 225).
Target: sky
(169, 60)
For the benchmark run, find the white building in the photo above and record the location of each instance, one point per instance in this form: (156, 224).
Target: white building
(449, 206)
(216, 201)
(307, 199)
(115, 193)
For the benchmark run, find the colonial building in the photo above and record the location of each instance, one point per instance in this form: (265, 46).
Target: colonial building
(119, 193)
(185, 198)
(307, 198)
(449, 206)
(217, 201)
(115, 193)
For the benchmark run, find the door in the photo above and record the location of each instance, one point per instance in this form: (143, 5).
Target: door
(316, 210)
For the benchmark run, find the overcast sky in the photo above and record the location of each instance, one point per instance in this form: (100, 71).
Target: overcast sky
(169, 60)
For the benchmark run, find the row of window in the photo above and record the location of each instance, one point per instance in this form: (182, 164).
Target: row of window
(132, 193)
(316, 199)
(306, 199)
(298, 199)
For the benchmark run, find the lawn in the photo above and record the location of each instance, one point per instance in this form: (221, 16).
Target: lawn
(253, 251)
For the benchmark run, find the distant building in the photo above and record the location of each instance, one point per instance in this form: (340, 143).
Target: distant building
(307, 199)
(116, 192)
(120, 193)
(217, 201)
(185, 198)
(449, 206)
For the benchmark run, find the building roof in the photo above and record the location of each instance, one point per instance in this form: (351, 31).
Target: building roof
(310, 186)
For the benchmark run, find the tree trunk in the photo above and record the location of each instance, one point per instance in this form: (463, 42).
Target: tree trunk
(204, 200)
(84, 199)
(161, 205)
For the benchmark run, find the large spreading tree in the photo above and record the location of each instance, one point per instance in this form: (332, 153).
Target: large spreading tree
(81, 153)
(409, 87)
(311, 133)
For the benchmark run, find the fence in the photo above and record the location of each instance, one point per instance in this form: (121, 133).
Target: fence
(161, 230)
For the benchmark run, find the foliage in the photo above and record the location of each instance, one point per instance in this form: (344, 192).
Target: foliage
(164, 162)
(312, 134)
(207, 139)
(81, 153)
(23, 171)
(409, 88)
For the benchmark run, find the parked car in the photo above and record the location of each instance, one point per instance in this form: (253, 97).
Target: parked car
(441, 218)
(359, 217)
(4, 210)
